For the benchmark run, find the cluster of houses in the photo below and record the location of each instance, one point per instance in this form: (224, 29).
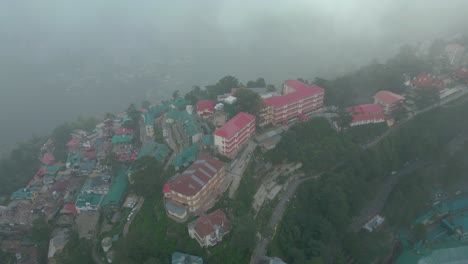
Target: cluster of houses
(85, 183)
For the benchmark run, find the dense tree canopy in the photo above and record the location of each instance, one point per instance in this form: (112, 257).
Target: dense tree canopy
(316, 224)
(248, 101)
(260, 82)
(224, 85)
(17, 168)
(148, 177)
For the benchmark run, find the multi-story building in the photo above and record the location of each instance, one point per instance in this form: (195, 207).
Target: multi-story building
(229, 138)
(196, 189)
(388, 100)
(209, 229)
(298, 99)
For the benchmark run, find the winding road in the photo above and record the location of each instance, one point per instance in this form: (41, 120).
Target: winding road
(373, 207)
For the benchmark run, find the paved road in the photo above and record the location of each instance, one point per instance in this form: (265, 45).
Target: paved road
(138, 207)
(238, 170)
(260, 249)
(374, 207)
(377, 204)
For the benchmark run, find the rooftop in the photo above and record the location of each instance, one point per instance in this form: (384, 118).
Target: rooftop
(365, 109)
(188, 154)
(195, 177)
(301, 90)
(365, 117)
(149, 118)
(181, 258)
(208, 224)
(388, 97)
(117, 189)
(92, 199)
(22, 194)
(236, 124)
(206, 105)
(424, 80)
(124, 138)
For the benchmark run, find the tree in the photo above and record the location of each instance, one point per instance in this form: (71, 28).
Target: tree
(400, 113)
(195, 94)
(419, 232)
(145, 104)
(260, 82)
(76, 251)
(109, 116)
(148, 177)
(224, 85)
(271, 88)
(426, 96)
(248, 101)
(40, 235)
(61, 135)
(176, 94)
(344, 118)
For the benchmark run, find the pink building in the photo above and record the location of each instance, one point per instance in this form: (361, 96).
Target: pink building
(298, 98)
(229, 138)
(388, 100)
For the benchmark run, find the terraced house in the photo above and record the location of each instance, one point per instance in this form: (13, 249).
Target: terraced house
(196, 189)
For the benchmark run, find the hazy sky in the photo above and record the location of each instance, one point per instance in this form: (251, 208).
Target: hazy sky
(61, 59)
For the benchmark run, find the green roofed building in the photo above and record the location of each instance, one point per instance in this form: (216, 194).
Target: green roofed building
(88, 202)
(146, 150)
(189, 154)
(445, 253)
(24, 194)
(117, 190)
(124, 138)
(181, 258)
(208, 140)
(52, 170)
(458, 224)
(452, 207)
(179, 102)
(425, 219)
(158, 151)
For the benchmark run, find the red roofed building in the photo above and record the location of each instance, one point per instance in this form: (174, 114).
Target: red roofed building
(365, 109)
(209, 229)
(388, 100)
(205, 107)
(196, 189)
(462, 74)
(425, 80)
(298, 98)
(365, 119)
(229, 138)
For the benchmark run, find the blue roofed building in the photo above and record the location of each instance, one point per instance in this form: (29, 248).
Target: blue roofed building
(188, 155)
(181, 258)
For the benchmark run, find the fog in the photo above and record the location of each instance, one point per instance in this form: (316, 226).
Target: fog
(63, 59)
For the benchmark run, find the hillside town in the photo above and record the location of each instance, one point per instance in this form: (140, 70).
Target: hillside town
(208, 145)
